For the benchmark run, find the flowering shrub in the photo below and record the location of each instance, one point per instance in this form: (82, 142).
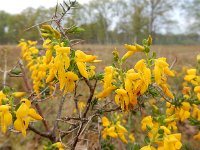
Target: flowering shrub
(115, 97)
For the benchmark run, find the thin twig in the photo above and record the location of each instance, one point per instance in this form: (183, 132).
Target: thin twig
(173, 63)
(36, 25)
(38, 132)
(58, 115)
(92, 89)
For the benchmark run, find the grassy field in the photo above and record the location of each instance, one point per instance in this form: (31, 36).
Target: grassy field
(185, 56)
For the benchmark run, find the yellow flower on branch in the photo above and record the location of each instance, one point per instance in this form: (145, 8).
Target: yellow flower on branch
(183, 113)
(109, 131)
(161, 69)
(122, 99)
(19, 94)
(2, 97)
(58, 145)
(145, 76)
(196, 112)
(192, 77)
(108, 81)
(197, 90)
(132, 49)
(121, 132)
(147, 121)
(171, 141)
(105, 122)
(71, 78)
(113, 130)
(81, 60)
(131, 138)
(148, 147)
(6, 117)
(24, 115)
(197, 136)
(131, 78)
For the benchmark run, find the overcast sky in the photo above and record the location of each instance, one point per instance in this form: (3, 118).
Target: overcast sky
(16, 6)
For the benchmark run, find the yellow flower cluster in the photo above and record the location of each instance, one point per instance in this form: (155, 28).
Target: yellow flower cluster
(161, 69)
(35, 63)
(133, 83)
(182, 113)
(194, 79)
(24, 114)
(57, 62)
(115, 130)
(160, 135)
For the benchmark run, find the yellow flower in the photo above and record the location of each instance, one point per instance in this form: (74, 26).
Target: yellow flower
(172, 142)
(2, 97)
(183, 113)
(144, 75)
(121, 98)
(166, 130)
(121, 131)
(149, 147)
(105, 92)
(197, 90)
(127, 55)
(62, 60)
(6, 117)
(191, 76)
(132, 49)
(131, 137)
(24, 115)
(161, 68)
(81, 105)
(196, 112)
(109, 132)
(197, 136)
(165, 88)
(58, 145)
(147, 121)
(81, 59)
(107, 82)
(105, 122)
(18, 94)
(91, 72)
(172, 126)
(70, 81)
(47, 44)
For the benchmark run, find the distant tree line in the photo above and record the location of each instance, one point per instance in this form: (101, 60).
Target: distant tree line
(112, 21)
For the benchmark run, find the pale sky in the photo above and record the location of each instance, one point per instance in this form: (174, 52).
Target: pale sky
(16, 6)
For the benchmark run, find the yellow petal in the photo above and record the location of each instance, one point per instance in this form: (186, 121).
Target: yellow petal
(32, 113)
(130, 47)
(105, 121)
(127, 55)
(19, 125)
(18, 94)
(82, 69)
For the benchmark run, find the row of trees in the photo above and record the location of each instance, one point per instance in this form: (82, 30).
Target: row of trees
(111, 21)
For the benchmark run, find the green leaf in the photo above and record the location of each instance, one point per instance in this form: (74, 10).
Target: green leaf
(160, 131)
(146, 49)
(147, 140)
(6, 90)
(16, 71)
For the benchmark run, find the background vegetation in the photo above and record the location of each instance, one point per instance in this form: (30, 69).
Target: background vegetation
(114, 21)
